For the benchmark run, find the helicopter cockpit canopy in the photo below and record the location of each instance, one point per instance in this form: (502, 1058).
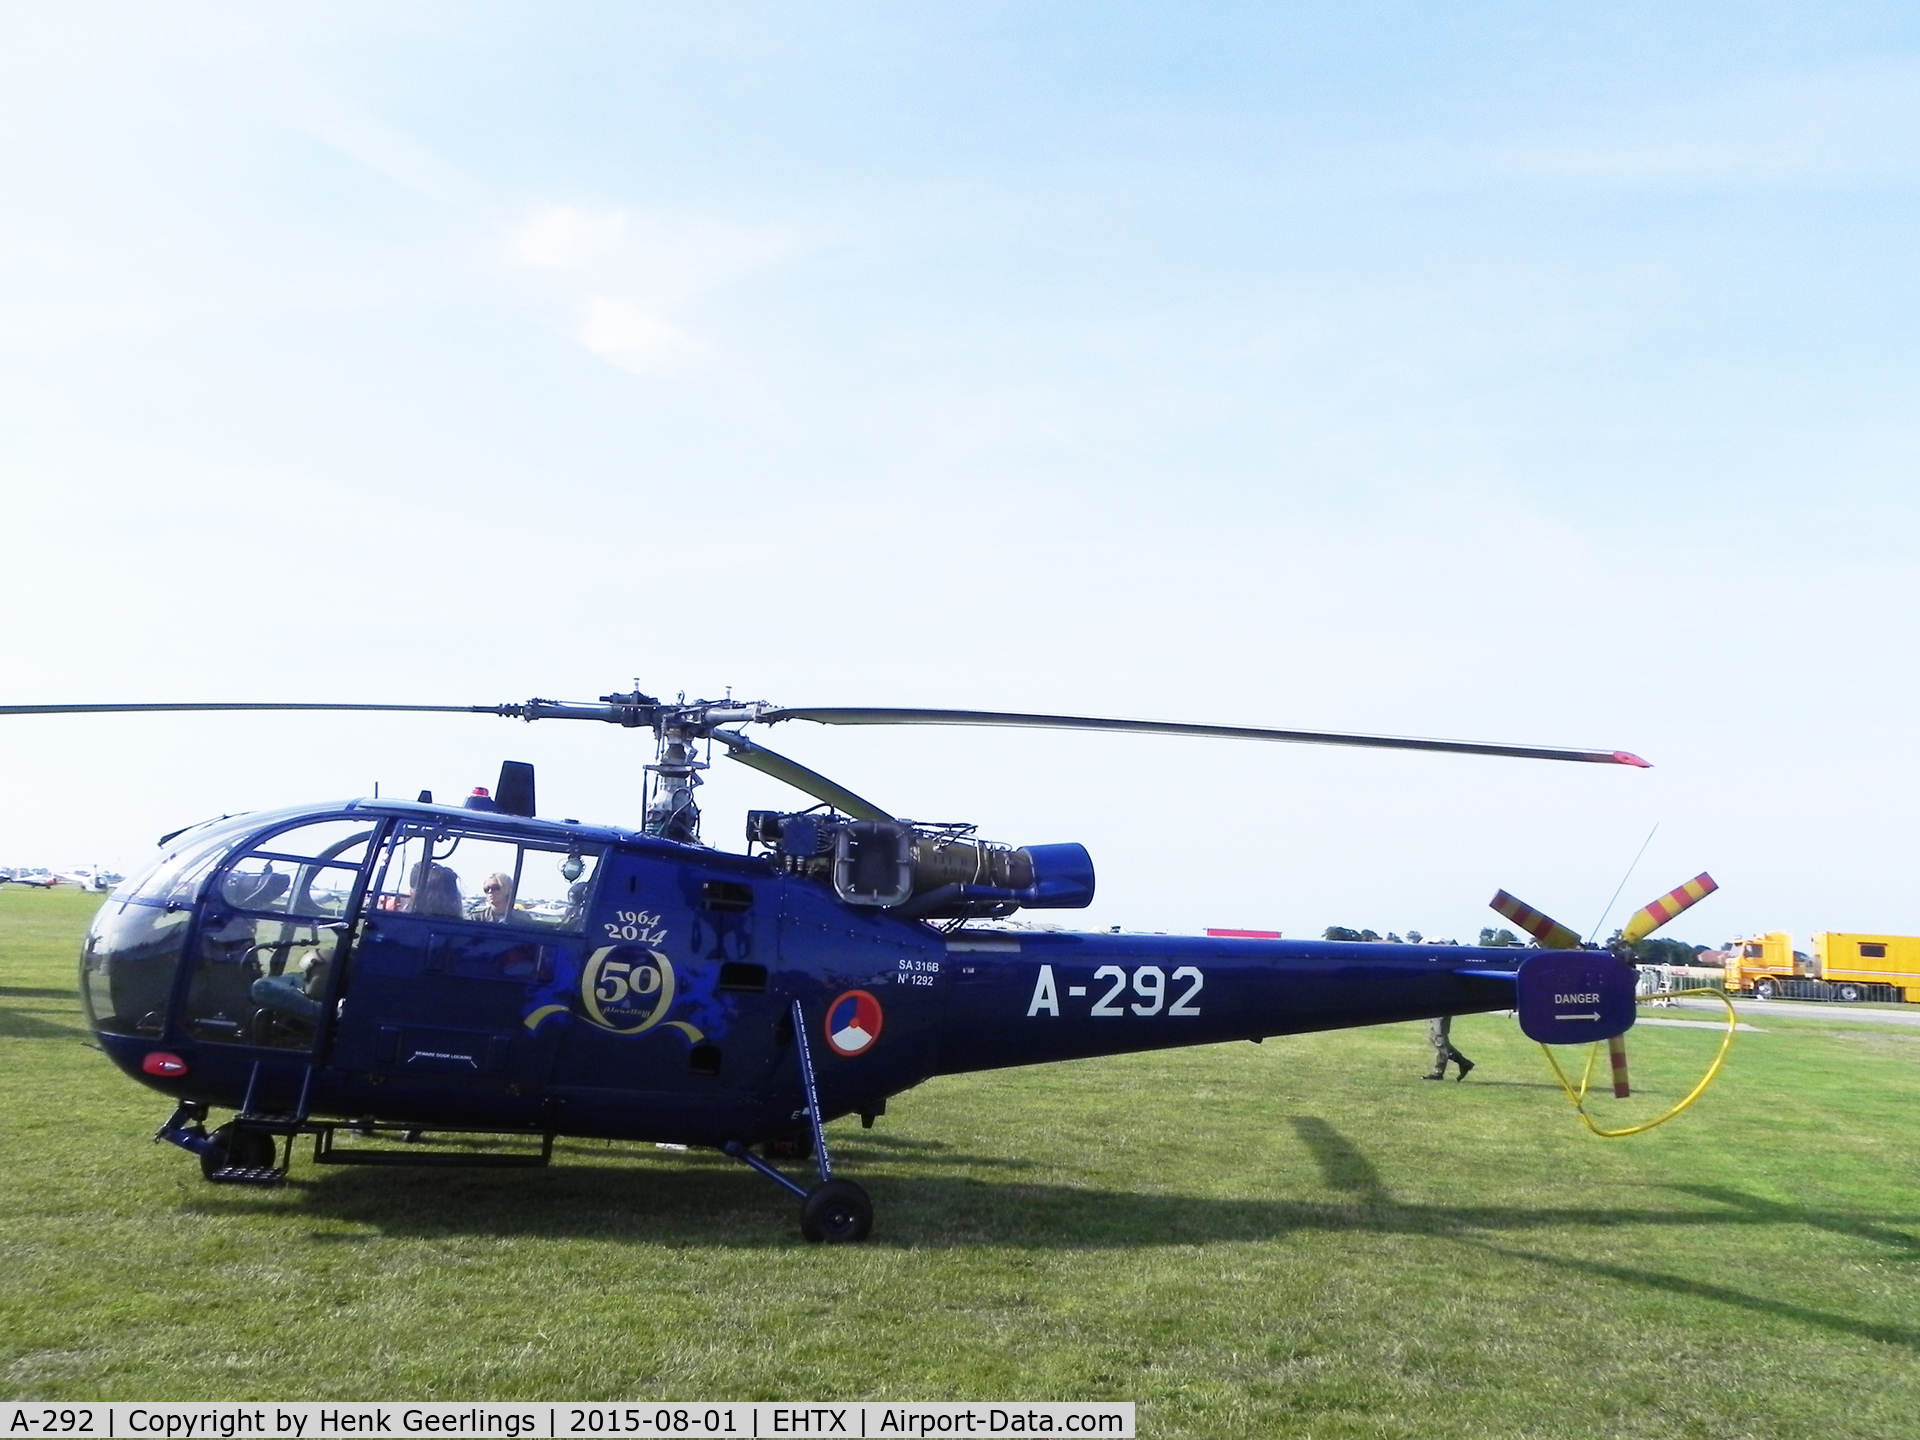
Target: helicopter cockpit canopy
(258, 908)
(137, 939)
(304, 873)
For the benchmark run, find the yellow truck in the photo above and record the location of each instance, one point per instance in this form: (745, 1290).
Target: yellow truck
(1842, 967)
(1762, 964)
(1852, 964)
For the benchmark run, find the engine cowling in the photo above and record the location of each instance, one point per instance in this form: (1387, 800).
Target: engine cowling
(925, 871)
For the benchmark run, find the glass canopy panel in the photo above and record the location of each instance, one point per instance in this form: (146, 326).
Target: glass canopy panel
(127, 966)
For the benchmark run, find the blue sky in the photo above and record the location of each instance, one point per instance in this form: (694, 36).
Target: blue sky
(1495, 373)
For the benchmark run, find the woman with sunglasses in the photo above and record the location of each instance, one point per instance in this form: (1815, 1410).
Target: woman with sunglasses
(498, 890)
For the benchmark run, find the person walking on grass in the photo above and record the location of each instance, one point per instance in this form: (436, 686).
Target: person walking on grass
(1443, 1050)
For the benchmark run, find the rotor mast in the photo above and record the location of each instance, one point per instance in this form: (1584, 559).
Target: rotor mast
(671, 811)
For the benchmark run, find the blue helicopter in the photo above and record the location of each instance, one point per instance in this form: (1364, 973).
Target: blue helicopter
(370, 971)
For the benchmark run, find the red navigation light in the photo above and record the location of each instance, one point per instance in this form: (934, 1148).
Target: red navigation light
(164, 1064)
(1627, 757)
(481, 791)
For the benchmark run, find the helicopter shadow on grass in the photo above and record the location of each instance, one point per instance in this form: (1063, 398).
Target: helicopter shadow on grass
(1772, 1212)
(699, 1200)
(1667, 1283)
(662, 1197)
(22, 1011)
(41, 992)
(1344, 1167)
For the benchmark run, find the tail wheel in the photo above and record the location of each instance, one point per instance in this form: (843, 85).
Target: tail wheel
(1764, 990)
(836, 1212)
(231, 1149)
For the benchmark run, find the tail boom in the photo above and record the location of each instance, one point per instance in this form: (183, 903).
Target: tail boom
(1026, 998)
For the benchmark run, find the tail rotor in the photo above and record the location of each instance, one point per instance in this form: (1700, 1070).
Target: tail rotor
(1554, 936)
(1649, 918)
(1551, 934)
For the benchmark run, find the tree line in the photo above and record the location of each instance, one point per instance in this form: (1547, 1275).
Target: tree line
(1643, 952)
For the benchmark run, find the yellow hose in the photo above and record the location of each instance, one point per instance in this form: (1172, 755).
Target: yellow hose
(1579, 1097)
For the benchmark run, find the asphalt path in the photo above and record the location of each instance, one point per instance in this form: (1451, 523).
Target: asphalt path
(1805, 1010)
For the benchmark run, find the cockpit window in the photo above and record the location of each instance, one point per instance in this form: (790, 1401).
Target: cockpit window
(269, 933)
(485, 879)
(127, 966)
(338, 842)
(277, 879)
(175, 876)
(133, 949)
(260, 982)
(554, 885)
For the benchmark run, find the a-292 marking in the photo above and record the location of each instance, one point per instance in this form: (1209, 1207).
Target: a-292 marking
(1148, 982)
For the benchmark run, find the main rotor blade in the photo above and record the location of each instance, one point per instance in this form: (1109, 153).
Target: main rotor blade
(810, 782)
(629, 715)
(233, 705)
(1177, 727)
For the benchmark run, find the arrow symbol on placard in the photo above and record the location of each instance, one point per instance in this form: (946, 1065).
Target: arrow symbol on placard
(1594, 1016)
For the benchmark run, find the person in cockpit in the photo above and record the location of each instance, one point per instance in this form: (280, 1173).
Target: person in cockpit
(436, 891)
(498, 890)
(296, 992)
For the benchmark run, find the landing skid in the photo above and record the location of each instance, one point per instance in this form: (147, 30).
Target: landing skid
(248, 1150)
(325, 1152)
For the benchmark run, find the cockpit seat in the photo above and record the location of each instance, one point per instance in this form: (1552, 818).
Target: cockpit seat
(255, 892)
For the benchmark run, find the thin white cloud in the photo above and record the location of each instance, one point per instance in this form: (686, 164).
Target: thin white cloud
(330, 118)
(623, 282)
(624, 335)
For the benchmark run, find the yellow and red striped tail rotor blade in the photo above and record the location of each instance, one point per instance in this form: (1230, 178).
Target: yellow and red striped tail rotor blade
(1551, 934)
(1651, 918)
(1617, 1057)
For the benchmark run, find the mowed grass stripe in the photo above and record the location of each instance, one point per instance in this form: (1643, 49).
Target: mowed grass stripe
(1296, 1238)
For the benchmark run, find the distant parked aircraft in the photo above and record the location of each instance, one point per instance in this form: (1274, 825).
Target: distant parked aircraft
(88, 877)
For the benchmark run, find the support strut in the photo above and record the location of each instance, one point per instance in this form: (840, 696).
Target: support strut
(187, 1128)
(834, 1211)
(812, 1091)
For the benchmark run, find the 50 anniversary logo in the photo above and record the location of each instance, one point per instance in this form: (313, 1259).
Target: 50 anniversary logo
(624, 995)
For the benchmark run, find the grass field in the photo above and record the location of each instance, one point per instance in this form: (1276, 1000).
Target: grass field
(1297, 1238)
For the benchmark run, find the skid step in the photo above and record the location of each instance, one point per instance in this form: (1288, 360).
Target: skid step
(247, 1175)
(324, 1153)
(271, 1124)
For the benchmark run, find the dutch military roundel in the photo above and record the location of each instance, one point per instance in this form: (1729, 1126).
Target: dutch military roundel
(853, 1023)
